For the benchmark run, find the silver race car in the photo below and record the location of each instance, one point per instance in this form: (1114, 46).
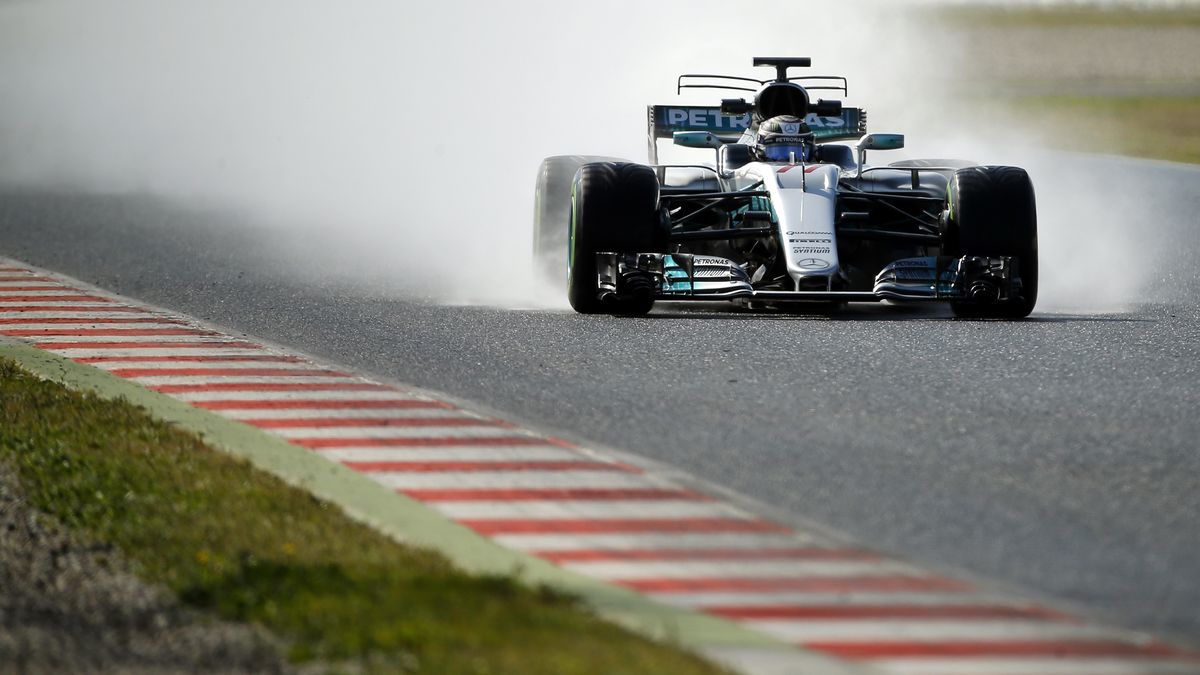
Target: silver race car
(789, 212)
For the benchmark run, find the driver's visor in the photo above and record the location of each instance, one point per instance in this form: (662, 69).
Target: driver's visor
(782, 152)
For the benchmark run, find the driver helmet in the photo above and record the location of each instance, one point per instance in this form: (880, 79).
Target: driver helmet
(782, 137)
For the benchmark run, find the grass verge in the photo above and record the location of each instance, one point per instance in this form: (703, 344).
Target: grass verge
(230, 539)
(1021, 14)
(1153, 127)
(1109, 81)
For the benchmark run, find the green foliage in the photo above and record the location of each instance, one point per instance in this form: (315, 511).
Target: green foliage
(233, 540)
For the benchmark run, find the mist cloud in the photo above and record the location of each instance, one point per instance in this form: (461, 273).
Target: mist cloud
(405, 136)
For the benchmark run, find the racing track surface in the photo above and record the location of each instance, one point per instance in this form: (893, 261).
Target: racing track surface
(1058, 455)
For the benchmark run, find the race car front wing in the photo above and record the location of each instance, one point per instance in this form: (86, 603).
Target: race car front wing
(685, 277)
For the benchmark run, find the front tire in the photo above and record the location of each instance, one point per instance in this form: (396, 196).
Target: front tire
(614, 208)
(992, 212)
(551, 213)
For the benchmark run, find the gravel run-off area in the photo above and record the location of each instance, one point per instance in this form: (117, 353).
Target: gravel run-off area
(70, 606)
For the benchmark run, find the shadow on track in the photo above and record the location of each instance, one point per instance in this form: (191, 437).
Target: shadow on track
(866, 312)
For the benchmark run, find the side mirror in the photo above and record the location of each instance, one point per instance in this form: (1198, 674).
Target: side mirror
(877, 142)
(696, 139)
(881, 142)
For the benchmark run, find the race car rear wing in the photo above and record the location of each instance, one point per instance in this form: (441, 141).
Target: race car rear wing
(665, 120)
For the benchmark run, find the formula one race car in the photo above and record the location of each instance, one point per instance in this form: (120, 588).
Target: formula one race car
(786, 214)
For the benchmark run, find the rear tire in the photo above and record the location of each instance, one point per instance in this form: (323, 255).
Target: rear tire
(552, 212)
(992, 212)
(614, 208)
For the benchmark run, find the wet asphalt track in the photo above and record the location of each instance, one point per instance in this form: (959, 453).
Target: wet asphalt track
(1060, 455)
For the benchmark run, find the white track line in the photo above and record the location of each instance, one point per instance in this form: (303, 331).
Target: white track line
(570, 509)
(495, 452)
(449, 431)
(499, 453)
(39, 324)
(81, 315)
(650, 541)
(690, 569)
(206, 365)
(165, 380)
(64, 304)
(51, 291)
(299, 415)
(957, 630)
(512, 479)
(333, 395)
(190, 337)
(785, 599)
(84, 352)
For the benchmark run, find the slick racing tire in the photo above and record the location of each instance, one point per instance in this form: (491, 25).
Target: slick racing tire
(991, 211)
(614, 209)
(551, 214)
